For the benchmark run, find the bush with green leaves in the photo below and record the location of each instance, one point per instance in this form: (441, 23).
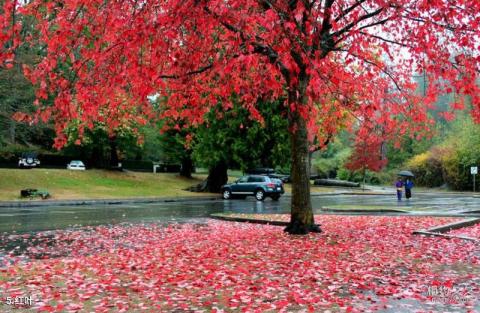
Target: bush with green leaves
(372, 178)
(428, 167)
(328, 166)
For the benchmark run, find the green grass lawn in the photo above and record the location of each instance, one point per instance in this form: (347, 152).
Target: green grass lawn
(65, 184)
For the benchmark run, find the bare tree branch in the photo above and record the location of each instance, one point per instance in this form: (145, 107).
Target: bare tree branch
(361, 18)
(324, 40)
(445, 26)
(348, 10)
(383, 70)
(387, 40)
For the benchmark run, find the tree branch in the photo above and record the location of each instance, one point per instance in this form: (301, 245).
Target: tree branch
(324, 40)
(198, 71)
(350, 9)
(319, 146)
(397, 85)
(387, 40)
(367, 26)
(352, 24)
(445, 26)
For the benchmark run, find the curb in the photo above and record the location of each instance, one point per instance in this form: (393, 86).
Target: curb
(248, 220)
(471, 212)
(456, 225)
(432, 234)
(440, 230)
(326, 209)
(37, 203)
(345, 193)
(368, 194)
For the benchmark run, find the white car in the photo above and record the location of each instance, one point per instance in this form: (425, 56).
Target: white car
(28, 160)
(76, 165)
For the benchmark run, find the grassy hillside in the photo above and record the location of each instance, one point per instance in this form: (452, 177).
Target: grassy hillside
(64, 184)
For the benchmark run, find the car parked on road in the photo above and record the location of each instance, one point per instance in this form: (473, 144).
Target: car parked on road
(254, 185)
(28, 160)
(76, 165)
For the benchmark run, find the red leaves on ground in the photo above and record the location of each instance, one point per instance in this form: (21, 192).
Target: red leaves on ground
(357, 263)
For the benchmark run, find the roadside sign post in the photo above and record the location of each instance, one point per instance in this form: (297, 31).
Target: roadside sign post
(474, 172)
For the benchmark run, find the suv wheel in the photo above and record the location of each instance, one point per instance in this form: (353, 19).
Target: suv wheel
(275, 197)
(227, 194)
(259, 195)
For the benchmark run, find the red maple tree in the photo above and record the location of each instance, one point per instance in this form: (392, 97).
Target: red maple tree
(325, 57)
(368, 154)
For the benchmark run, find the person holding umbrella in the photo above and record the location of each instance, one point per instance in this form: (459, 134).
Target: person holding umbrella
(399, 186)
(408, 183)
(408, 188)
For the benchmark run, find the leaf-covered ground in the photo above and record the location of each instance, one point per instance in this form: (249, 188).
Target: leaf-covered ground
(357, 264)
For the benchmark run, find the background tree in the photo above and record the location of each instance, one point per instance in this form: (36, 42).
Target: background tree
(16, 92)
(323, 57)
(231, 139)
(101, 149)
(369, 154)
(174, 149)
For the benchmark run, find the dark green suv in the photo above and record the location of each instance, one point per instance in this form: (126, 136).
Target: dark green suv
(254, 185)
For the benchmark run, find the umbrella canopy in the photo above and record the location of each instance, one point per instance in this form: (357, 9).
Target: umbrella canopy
(406, 174)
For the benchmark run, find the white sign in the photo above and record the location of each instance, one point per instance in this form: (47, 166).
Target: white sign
(474, 170)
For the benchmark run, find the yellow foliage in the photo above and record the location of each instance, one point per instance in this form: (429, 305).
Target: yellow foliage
(419, 160)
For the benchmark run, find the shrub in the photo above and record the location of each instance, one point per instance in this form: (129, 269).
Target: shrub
(357, 176)
(457, 167)
(428, 167)
(326, 168)
(329, 166)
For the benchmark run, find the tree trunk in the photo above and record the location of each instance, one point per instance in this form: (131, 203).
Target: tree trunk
(12, 131)
(98, 158)
(301, 220)
(364, 177)
(217, 176)
(113, 152)
(187, 165)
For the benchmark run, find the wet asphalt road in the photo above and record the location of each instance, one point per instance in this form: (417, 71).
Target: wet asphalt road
(44, 218)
